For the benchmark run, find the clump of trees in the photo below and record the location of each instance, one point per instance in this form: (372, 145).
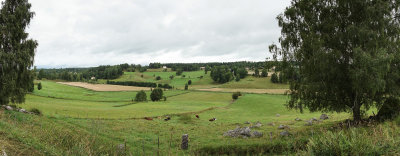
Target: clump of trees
(140, 84)
(348, 53)
(141, 96)
(221, 74)
(156, 94)
(264, 73)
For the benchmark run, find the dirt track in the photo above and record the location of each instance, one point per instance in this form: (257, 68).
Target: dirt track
(258, 91)
(104, 87)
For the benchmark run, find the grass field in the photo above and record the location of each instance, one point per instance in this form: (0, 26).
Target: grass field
(78, 121)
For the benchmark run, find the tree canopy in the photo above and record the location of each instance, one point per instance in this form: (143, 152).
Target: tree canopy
(340, 55)
(17, 52)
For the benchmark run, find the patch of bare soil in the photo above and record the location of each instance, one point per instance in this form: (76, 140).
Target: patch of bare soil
(104, 87)
(258, 91)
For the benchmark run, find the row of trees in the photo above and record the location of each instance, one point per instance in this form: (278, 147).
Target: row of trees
(140, 84)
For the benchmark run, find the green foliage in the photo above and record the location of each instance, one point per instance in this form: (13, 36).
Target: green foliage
(256, 72)
(237, 78)
(158, 78)
(274, 78)
(171, 77)
(264, 73)
(141, 96)
(390, 109)
(347, 51)
(242, 72)
(41, 74)
(17, 52)
(39, 86)
(186, 86)
(179, 72)
(35, 111)
(236, 95)
(156, 94)
(221, 74)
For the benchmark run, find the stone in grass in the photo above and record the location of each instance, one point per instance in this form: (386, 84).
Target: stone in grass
(308, 123)
(297, 119)
(285, 133)
(314, 119)
(185, 142)
(247, 122)
(121, 148)
(283, 127)
(257, 125)
(257, 134)
(324, 117)
(22, 111)
(9, 108)
(278, 115)
(271, 124)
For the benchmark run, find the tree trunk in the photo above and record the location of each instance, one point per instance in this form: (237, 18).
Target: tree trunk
(356, 109)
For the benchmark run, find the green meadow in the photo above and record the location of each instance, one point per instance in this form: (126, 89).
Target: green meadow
(78, 121)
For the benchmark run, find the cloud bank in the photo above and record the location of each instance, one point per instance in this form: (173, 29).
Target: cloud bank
(83, 33)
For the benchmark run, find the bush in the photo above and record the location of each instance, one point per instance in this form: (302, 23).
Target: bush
(156, 94)
(165, 98)
(39, 86)
(236, 95)
(158, 78)
(35, 111)
(274, 78)
(264, 73)
(237, 78)
(141, 96)
(186, 86)
(171, 77)
(179, 72)
(190, 82)
(390, 109)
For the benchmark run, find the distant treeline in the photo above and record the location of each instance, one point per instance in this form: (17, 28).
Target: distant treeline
(84, 74)
(140, 84)
(197, 66)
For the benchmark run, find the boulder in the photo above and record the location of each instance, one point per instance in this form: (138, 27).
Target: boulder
(185, 142)
(308, 123)
(9, 108)
(278, 115)
(245, 132)
(257, 134)
(297, 119)
(324, 117)
(283, 127)
(22, 111)
(257, 125)
(285, 133)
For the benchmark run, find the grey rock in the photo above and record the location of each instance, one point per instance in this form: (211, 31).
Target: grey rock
(271, 124)
(9, 108)
(283, 127)
(285, 133)
(245, 132)
(257, 134)
(314, 119)
(324, 117)
(185, 142)
(297, 119)
(22, 111)
(247, 122)
(257, 125)
(308, 123)
(278, 115)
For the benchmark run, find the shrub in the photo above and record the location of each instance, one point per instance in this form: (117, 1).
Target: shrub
(171, 77)
(179, 72)
(190, 82)
(237, 78)
(156, 94)
(186, 86)
(236, 95)
(39, 87)
(35, 111)
(158, 78)
(274, 78)
(141, 96)
(264, 73)
(183, 76)
(165, 98)
(390, 109)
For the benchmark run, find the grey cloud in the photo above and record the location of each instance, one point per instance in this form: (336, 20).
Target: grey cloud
(92, 32)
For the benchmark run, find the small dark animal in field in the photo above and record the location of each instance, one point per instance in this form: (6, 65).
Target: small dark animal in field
(197, 116)
(213, 119)
(168, 118)
(148, 118)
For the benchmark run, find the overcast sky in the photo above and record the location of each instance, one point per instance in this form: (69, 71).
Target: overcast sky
(83, 33)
